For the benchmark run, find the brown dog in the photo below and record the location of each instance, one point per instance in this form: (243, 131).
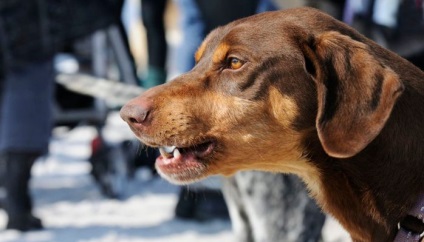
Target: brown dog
(296, 91)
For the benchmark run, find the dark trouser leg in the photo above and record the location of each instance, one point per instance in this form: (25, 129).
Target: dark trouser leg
(215, 15)
(2, 180)
(153, 20)
(18, 204)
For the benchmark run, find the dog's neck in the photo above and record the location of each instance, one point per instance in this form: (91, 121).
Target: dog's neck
(337, 193)
(366, 193)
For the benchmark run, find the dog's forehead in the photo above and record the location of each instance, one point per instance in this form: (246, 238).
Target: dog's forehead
(270, 31)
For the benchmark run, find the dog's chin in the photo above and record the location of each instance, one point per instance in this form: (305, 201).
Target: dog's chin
(184, 165)
(181, 178)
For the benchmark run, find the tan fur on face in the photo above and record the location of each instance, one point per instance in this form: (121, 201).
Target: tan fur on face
(241, 127)
(283, 108)
(275, 145)
(199, 52)
(220, 53)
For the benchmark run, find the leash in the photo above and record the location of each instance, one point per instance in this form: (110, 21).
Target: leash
(411, 228)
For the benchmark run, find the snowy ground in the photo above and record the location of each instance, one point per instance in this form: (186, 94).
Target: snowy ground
(73, 210)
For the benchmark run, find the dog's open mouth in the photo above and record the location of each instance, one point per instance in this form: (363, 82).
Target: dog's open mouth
(174, 154)
(200, 150)
(182, 164)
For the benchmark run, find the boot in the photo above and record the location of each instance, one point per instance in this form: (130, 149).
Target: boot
(18, 204)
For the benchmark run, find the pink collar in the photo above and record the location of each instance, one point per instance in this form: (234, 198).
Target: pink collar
(416, 214)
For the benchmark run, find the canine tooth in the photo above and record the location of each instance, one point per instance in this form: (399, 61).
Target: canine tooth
(177, 153)
(164, 153)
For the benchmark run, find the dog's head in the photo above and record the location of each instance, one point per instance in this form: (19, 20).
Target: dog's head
(259, 86)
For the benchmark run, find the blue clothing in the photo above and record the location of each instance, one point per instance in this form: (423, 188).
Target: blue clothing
(26, 116)
(266, 5)
(193, 28)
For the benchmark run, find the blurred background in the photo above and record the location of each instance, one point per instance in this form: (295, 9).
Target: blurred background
(70, 168)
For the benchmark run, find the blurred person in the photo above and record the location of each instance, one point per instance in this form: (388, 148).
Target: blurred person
(30, 34)
(193, 31)
(27, 85)
(25, 124)
(333, 7)
(152, 13)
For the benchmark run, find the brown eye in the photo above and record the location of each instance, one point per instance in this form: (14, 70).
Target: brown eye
(235, 63)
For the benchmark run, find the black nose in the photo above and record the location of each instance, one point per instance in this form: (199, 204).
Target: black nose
(135, 114)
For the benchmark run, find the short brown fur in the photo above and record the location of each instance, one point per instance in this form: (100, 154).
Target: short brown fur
(314, 98)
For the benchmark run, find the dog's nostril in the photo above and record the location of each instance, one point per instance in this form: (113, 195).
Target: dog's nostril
(140, 117)
(134, 114)
(133, 120)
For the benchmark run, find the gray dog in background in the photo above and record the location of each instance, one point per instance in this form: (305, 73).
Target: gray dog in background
(268, 207)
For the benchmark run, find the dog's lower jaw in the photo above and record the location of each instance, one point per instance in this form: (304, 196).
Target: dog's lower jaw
(182, 169)
(185, 178)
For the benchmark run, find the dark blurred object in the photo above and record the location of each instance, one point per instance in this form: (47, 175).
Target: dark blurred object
(201, 205)
(109, 168)
(138, 156)
(18, 204)
(410, 18)
(69, 100)
(113, 165)
(152, 13)
(417, 59)
(38, 28)
(214, 14)
(333, 7)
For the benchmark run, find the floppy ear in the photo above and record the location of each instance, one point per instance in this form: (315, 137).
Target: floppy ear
(356, 92)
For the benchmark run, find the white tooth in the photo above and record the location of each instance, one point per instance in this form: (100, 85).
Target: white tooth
(164, 153)
(177, 154)
(169, 149)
